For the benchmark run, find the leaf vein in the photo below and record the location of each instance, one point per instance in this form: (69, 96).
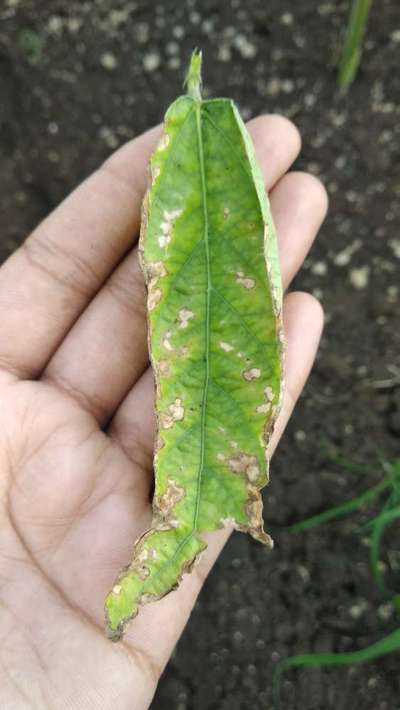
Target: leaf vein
(230, 144)
(240, 317)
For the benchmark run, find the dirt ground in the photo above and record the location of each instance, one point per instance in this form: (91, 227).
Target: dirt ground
(77, 79)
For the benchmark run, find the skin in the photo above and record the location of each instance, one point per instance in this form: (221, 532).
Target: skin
(76, 430)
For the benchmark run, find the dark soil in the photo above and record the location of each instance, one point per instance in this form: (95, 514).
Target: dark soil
(79, 78)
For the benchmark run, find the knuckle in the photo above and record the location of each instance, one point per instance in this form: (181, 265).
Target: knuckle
(62, 266)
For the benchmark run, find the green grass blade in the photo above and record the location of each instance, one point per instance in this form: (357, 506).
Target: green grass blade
(343, 509)
(350, 465)
(382, 521)
(392, 467)
(389, 644)
(392, 471)
(351, 54)
(392, 502)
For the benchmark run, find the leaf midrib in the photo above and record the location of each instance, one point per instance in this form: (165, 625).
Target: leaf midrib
(207, 331)
(207, 318)
(207, 378)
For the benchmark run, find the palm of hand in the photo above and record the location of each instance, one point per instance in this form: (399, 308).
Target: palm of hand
(76, 432)
(74, 503)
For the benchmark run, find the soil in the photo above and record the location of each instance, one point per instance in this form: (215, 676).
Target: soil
(79, 78)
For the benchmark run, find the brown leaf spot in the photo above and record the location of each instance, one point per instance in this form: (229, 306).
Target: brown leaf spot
(254, 512)
(269, 395)
(225, 346)
(167, 226)
(164, 368)
(247, 464)
(146, 598)
(253, 472)
(244, 281)
(227, 522)
(162, 526)
(142, 572)
(164, 142)
(155, 175)
(263, 408)
(146, 553)
(167, 343)
(253, 374)
(164, 240)
(154, 298)
(184, 317)
(172, 495)
(175, 413)
(160, 443)
(189, 564)
(143, 554)
(155, 270)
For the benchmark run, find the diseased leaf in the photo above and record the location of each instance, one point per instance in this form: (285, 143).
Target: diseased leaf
(209, 257)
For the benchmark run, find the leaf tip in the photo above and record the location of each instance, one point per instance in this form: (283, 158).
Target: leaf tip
(112, 634)
(193, 80)
(113, 630)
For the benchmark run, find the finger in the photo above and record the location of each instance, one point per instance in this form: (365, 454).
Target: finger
(106, 350)
(277, 143)
(299, 203)
(46, 284)
(303, 324)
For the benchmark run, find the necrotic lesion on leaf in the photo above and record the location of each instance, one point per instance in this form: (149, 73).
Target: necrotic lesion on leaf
(209, 257)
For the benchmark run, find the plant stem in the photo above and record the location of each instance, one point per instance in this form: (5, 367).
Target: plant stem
(193, 76)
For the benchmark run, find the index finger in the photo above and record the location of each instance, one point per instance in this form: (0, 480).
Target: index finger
(49, 280)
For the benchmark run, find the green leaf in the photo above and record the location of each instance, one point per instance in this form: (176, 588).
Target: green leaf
(209, 257)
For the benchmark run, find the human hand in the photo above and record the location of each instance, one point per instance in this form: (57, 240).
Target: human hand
(76, 430)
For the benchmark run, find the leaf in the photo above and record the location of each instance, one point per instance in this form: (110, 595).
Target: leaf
(209, 257)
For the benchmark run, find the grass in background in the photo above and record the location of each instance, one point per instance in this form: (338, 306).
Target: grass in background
(351, 53)
(31, 44)
(387, 492)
